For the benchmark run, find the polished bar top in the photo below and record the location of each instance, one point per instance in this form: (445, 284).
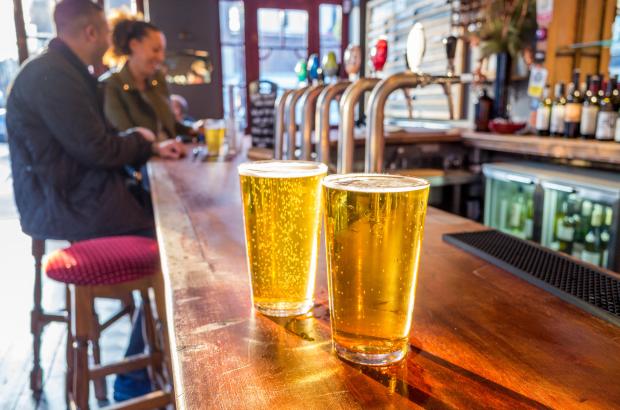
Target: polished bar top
(481, 338)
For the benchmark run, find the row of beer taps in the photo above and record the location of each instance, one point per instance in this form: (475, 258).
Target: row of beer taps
(315, 101)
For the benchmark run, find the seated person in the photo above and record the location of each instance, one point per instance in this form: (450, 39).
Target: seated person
(180, 110)
(137, 95)
(66, 163)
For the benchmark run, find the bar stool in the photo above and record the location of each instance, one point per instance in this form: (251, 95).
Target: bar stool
(40, 318)
(108, 268)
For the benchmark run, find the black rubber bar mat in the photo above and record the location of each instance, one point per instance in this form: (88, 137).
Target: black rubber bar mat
(585, 286)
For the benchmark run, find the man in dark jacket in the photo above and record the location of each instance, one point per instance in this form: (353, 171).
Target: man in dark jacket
(66, 163)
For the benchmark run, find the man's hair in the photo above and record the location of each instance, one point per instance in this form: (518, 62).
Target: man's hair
(72, 15)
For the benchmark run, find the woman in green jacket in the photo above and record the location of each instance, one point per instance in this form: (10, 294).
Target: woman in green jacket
(137, 95)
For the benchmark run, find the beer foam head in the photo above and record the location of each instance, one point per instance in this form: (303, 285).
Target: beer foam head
(282, 169)
(374, 183)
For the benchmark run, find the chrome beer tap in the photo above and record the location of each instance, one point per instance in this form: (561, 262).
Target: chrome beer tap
(416, 45)
(280, 125)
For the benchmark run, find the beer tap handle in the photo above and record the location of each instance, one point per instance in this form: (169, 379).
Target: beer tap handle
(450, 44)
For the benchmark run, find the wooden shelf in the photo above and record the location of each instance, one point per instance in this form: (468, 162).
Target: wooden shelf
(551, 147)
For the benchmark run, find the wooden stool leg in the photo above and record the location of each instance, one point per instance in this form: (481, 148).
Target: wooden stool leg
(36, 318)
(69, 353)
(128, 302)
(81, 320)
(101, 390)
(148, 329)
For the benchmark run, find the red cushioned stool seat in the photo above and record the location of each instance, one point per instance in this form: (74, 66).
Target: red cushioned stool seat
(104, 261)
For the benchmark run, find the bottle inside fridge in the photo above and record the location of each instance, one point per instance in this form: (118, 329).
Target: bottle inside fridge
(579, 223)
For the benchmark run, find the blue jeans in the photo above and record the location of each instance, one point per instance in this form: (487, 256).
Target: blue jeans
(136, 382)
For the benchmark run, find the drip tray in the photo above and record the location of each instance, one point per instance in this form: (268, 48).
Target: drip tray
(583, 285)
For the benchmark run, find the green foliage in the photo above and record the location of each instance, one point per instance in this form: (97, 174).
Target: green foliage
(509, 26)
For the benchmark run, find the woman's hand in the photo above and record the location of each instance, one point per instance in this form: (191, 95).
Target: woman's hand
(169, 149)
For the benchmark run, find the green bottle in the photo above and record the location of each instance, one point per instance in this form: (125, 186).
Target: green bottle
(593, 250)
(566, 225)
(583, 226)
(606, 235)
(516, 215)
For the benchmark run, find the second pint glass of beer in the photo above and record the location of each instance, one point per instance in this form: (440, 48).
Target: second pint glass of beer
(373, 231)
(282, 215)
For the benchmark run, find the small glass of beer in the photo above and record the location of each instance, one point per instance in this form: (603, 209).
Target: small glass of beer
(215, 130)
(373, 232)
(282, 216)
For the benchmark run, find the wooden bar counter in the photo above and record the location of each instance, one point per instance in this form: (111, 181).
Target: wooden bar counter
(481, 338)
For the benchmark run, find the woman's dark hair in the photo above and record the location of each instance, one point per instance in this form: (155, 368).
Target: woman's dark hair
(127, 30)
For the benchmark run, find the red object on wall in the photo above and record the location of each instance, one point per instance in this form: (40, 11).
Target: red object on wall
(378, 54)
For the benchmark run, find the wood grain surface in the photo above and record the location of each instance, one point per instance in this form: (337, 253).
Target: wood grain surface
(481, 337)
(560, 148)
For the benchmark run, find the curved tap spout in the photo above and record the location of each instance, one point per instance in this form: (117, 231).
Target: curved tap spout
(346, 131)
(291, 125)
(308, 108)
(375, 137)
(279, 124)
(321, 121)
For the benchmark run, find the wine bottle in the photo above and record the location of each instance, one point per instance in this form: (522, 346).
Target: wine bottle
(543, 113)
(607, 116)
(572, 113)
(528, 227)
(565, 232)
(606, 235)
(557, 111)
(589, 110)
(583, 226)
(615, 93)
(593, 250)
(517, 213)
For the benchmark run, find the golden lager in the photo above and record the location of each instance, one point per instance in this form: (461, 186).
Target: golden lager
(281, 208)
(373, 231)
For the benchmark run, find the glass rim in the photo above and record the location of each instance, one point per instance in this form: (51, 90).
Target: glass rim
(279, 168)
(414, 183)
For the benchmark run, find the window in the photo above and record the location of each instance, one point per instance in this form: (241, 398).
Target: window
(330, 26)
(117, 4)
(232, 32)
(8, 56)
(39, 23)
(282, 42)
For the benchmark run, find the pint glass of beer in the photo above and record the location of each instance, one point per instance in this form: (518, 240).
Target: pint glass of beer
(373, 231)
(282, 215)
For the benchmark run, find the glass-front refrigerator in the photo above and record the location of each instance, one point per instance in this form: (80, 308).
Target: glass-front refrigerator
(568, 209)
(580, 216)
(510, 193)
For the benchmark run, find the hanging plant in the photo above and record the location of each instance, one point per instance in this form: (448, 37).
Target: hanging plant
(509, 26)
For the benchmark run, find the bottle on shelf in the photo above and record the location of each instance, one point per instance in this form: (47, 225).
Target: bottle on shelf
(607, 116)
(593, 248)
(585, 87)
(606, 235)
(602, 85)
(572, 113)
(583, 226)
(589, 110)
(483, 111)
(615, 93)
(543, 113)
(556, 127)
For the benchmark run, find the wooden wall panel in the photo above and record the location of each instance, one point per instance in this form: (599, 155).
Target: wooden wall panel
(578, 21)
